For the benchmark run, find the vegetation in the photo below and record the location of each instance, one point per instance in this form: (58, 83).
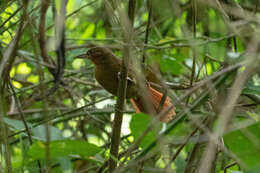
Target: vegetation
(55, 117)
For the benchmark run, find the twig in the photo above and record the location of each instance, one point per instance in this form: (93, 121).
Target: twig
(10, 17)
(162, 101)
(4, 134)
(256, 6)
(194, 51)
(5, 67)
(178, 119)
(184, 143)
(60, 42)
(18, 21)
(69, 15)
(61, 115)
(115, 139)
(226, 114)
(60, 46)
(254, 98)
(24, 122)
(229, 166)
(42, 41)
(141, 156)
(9, 54)
(147, 31)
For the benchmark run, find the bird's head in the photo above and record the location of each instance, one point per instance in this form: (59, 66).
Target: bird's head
(98, 55)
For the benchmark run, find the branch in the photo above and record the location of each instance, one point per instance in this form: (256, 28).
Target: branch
(60, 45)
(27, 129)
(147, 31)
(194, 31)
(57, 116)
(181, 115)
(115, 140)
(10, 17)
(42, 41)
(184, 143)
(9, 54)
(5, 67)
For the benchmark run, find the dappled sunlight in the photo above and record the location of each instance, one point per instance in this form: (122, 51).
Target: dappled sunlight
(129, 86)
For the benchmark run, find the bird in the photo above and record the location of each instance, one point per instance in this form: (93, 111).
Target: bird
(107, 74)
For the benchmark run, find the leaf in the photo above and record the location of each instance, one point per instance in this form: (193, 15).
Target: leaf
(63, 148)
(244, 143)
(65, 163)
(138, 125)
(40, 131)
(181, 129)
(16, 124)
(78, 63)
(170, 65)
(37, 132)
(89, 31)
(23, 69)
(252, 89)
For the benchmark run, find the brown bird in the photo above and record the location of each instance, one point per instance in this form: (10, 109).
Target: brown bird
(107, 73)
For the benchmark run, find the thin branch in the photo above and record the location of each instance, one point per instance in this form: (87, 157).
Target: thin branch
(10, 17)
(256, 6)
(60, 46)
(9, 54)
(4, 133)
(147, 31)
(69, 15)
(229, 166)
(5, 67)
(184, 143)
(254, 98)
(162, 101)
(42, 37)
(144, 154)
(182, 114)
(28, 132)
(61, 115)
(226, 112)
(115, 139)
(194, 31)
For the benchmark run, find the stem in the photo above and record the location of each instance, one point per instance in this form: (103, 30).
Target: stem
(115, 140)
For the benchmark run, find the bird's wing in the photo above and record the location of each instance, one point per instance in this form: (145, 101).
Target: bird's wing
(129, 79)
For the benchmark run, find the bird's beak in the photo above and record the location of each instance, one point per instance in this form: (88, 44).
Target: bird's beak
(81, 56)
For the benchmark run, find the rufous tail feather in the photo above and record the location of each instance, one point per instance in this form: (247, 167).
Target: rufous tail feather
(156, 97)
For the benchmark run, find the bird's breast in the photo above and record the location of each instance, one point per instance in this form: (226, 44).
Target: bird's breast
(107, 79)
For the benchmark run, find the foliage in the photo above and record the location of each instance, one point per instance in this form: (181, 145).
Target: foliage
(55, 117)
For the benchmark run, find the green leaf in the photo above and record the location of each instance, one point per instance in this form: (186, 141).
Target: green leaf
(63, 148)
(40, 131)
(181, 129)
(253, 89)
(244, 143)
(138, 125)
(37, 132)
(170, 65)
(16, 124)
(89, 31)
(65, 164)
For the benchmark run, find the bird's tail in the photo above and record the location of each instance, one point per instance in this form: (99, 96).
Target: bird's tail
(156, 97)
